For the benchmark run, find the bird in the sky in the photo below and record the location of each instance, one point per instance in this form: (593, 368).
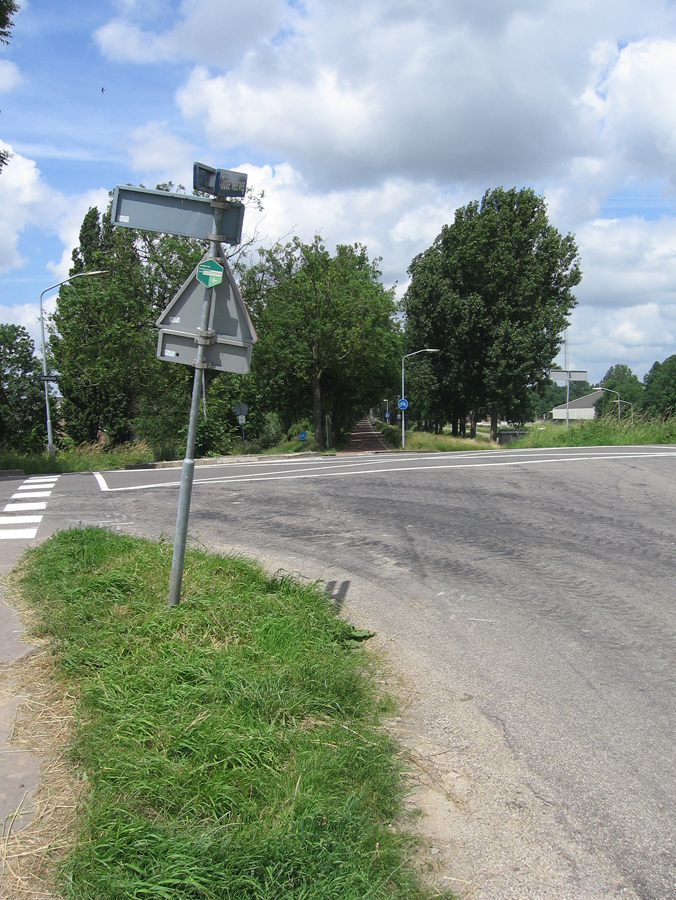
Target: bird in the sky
(103, 90)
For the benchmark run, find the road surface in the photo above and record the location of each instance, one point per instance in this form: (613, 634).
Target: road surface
(525, 603)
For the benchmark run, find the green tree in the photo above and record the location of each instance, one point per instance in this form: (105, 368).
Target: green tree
(619, 378)
(659, 398)
(7, 10)
(101, 339)
(22, 400)
(327, 335)
(493, 293)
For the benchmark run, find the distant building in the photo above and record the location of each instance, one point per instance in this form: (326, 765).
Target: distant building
(582, 408)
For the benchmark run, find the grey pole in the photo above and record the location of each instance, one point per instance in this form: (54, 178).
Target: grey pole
(50, 437)
(403, 427)
(204, 338)
(415, 353)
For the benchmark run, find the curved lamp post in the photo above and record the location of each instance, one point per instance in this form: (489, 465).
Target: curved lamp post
(50, 439)
(403, 395)
(619, 403)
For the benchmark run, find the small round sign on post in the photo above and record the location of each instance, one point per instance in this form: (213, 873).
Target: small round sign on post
(403, 403)
(302, 435)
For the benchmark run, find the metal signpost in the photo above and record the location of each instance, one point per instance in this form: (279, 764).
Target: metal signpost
(206, 325)
(403, 391)
(241, 409)
(567, 375)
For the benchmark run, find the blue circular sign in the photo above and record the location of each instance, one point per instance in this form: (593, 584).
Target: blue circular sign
(302, 435)
(387, 415)
(403, 403)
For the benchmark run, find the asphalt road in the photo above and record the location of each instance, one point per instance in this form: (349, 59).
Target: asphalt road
(525, 602)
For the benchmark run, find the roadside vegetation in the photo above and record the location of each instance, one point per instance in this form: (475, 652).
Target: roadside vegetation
(600, 432)
(231, 746)
(424, 440)
(85, 458)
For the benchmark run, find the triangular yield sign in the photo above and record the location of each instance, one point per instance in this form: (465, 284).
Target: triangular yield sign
(229, 316)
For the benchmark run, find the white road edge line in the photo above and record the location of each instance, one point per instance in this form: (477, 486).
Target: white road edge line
(311, 464)
(328, 474)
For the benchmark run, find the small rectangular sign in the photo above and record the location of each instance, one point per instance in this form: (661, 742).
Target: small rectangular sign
(567, 375)
(181, 214)
(182, 348)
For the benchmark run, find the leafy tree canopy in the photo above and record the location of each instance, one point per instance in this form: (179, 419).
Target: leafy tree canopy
(328, 339)
(619, 378)
(22, 399)
(659, 398)
(493, 293)
(7, 9)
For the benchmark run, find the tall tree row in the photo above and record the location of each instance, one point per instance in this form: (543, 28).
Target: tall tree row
(493, 294)
(328, 341)
(328, 336)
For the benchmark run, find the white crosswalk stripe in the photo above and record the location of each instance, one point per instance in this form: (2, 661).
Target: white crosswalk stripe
(28, 500)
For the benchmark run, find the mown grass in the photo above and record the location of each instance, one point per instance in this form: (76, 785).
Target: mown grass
(423, 440)
(605, 431)
(85, 458)
(230, 744)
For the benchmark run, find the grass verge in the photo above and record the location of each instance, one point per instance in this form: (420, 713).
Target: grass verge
(85, 458)
(423, 440)
(231, 745)
(605, 431)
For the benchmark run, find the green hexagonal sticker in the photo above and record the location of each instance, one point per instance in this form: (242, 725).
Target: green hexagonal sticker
(210, 273)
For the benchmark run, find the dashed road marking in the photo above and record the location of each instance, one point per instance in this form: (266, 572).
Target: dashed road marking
(26, 495)
(21, 507)
(31, 494)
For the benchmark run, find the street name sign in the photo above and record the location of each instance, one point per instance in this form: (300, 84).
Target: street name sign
(209, 272)
(567, 375)
(179, 214)
(402, 404)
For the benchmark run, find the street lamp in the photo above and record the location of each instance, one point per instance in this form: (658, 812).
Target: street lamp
(387, 409)
(50, 439)
(619, 403)
(415, 353)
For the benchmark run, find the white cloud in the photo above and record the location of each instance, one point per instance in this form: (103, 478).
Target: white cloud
(628, 262)
(155, 151)
(636, 336)
(26, 199)
(9, 75)
(214, 31)
(636, 106)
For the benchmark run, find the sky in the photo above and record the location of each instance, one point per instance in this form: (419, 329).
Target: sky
(367, 121)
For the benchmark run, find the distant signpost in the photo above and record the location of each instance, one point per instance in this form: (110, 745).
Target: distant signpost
(567, 375)
(403, 403)
(302, 435)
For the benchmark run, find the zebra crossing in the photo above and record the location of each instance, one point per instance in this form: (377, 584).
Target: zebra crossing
(25, 508)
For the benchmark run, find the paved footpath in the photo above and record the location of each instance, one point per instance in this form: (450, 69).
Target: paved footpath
(23, 502)
(365, 438)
